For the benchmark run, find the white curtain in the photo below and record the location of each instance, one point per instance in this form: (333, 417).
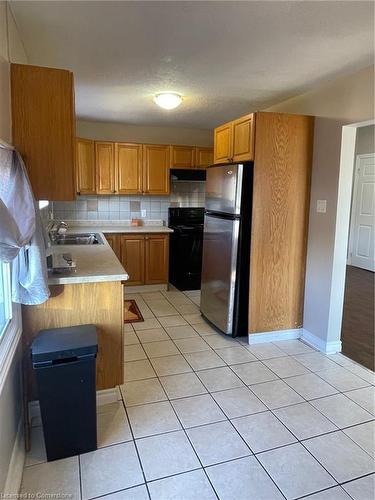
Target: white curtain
(22, 240)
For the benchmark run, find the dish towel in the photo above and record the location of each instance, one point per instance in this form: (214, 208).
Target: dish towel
(22, 237)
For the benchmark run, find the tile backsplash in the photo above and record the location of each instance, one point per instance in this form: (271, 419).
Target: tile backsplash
(183, 194)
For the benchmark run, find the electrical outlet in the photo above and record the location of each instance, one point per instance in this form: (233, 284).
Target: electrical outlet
(321, 206)
(143, 213)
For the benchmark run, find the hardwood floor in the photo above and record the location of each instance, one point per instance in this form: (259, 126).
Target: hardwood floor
(358, 317)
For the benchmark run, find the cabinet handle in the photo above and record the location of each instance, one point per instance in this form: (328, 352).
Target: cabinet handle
(79, 193)
(113, 190)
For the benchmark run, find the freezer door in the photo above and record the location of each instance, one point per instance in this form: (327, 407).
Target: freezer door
(220, 248)
(223, 188)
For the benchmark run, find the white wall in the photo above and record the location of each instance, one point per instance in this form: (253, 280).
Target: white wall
(343, 101)
(365, 140)
(144, 134)
(11, 49)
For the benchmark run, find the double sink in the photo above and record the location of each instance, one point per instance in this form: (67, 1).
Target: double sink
(77, 239)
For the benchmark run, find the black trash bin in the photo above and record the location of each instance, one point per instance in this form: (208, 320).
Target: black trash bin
(64, 360)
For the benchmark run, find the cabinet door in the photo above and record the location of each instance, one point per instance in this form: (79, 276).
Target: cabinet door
(182, 157)
(43, 128)
(105, 168)
(133, 258)
(243, 138)
(156, 262)
(204, 157)
(114, 243)
(85, 165)
(128, 168)
(223, 143)
(156, 169)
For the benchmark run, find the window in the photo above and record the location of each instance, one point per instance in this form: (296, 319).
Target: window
(5, 298)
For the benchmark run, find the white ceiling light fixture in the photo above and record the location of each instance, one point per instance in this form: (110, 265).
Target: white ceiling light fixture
(168, 100)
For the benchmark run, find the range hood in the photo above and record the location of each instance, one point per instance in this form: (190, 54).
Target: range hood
(188, 174)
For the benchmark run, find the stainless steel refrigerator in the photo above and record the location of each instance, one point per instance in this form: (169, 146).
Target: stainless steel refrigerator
(226, 247)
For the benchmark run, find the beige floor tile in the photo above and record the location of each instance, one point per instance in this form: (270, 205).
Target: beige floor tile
(162, 308)
(52, 478)
(219, 379)
(130, 338)
(170, 365)
(197, 410)
(182, 385)
(138, 370)
(136, 493)
(147, 296)
(187, 308)
(142, 392)
(173, 321)
(340, 456)
(166, 454)
(276, 394)
(153, 418)
(204, 328)
(293, 347)
(204, 359)
(110, 469)
(147, 324)
(304, 420)
(310, 386)
(218, 341)
(181, 332)
(364, 397)
(235, 355)
(153, 335)
(363, 373)
(254, 373)
(134, 353)
(194, 319)
(342, 379)
(242, 479)
(128, 328)
(263, 431)
(238, 402)
(113, 427)
(266, 350)
(361, 489)
(192, 344)
(341, 410)
(295, 471)
(335, 493)
(187, 486)
(364, 436)
(217, 442)
(160, 349)
(315, 361)
(285, 367)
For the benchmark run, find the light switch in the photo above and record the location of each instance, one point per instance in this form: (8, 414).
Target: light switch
(144, 213)
(321, 206)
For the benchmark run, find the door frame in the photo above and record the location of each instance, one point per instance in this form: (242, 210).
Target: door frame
(343, 209)
(358, 158)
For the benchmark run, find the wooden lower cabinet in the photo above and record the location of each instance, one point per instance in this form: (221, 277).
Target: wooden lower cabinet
(156, 259)
(145, 257)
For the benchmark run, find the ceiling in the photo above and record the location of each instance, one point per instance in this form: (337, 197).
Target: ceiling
(226, 58)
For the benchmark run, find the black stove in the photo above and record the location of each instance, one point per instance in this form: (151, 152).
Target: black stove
(186, 243)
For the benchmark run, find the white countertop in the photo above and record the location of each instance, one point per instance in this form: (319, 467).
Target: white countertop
(97, 226)
(94, 263)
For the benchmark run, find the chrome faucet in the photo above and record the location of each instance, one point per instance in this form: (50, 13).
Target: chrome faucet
(55, 229)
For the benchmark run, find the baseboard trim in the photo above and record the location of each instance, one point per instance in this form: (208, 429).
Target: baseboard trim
(17, 462)
(145, 288)
(319, 344)
(103, 397)
(260, 337)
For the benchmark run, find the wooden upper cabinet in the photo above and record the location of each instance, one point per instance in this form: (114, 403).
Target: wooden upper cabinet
(243, 138)
(43, 128)
(132, 248)
(223, 144)
(105, 172)
(204, 157)
(85, 166)
(156, 259)
(156, 161)
(128, 161)
(182, 157)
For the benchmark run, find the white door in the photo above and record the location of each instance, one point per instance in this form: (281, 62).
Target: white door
(362, 216)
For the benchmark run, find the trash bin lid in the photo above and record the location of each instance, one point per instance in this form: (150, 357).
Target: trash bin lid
(68, 342)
